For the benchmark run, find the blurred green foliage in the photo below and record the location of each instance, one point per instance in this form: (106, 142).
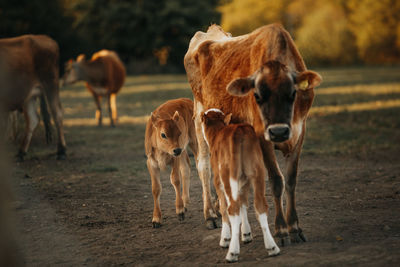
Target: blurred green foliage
(149, 35)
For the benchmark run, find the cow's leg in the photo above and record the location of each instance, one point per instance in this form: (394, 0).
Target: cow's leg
(276, 180)
(245, 227)
(154, 171)
(99, 116)
(261, 207)
(185, 174)
(112, 109)
(176, 182)
(31, 120)
(53, 101)
(203, 167)
(292, 161)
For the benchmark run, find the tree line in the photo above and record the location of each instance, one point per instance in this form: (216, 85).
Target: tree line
(153, 35)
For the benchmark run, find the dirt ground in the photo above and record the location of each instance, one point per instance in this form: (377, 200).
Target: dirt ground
(349, 209)
(95, 208)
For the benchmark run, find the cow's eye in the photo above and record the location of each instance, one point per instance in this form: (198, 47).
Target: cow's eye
(163, 135)
(257, 97)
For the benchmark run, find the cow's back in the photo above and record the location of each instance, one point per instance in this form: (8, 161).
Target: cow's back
(26, 61)
(213, 61)
(114, 69)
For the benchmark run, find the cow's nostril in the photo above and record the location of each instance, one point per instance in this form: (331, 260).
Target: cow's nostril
(177, 151)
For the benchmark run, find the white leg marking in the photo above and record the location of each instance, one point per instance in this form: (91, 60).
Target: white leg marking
(234, 246)
(202, 165)
(225, 235)
(269, 242)
(245, 228)
(204, 134)
(234, 188)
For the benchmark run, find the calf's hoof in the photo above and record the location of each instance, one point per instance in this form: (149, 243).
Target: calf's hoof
(274, 251)
(224, 242)
(232, 257)
(181, 216)
(247, 238)
(156, 225)
(297, 236)
(211, 223)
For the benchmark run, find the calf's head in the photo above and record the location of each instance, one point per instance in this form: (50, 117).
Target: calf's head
(170, 134)
(275, 90)
(72, 71)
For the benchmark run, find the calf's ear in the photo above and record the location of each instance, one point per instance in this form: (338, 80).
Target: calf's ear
(154, 119)
(176, 116)
(307, 80)
(228, 118)
(240, 86)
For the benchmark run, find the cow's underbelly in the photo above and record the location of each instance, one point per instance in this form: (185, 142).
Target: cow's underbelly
(99, 90)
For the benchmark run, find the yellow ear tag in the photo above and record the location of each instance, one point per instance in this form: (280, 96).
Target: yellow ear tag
(303, 85)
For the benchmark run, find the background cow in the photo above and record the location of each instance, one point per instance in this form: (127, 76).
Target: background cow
(223, 70)
(104, 74)
(29, 69)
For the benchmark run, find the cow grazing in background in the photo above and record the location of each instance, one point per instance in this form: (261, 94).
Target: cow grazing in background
(262, 80)
(169, 130)
(29, 69)
(236, 159)
(104, 74)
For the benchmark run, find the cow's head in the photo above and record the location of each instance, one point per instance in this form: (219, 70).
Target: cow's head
(275, 88)
(171, 134)
(72, 70)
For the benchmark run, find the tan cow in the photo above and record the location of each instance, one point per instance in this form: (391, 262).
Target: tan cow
(262, 80)
(104, 75)
(169, 130)
(236, 159)
(29, 69)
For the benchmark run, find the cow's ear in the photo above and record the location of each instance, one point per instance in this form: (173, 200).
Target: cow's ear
(228, 118)
(307, 80)
(240, 86)
(81, 58)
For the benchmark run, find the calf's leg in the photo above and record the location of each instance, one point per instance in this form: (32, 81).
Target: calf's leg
(185, 174)
(112, 109)
(176, 182)
(154, 171)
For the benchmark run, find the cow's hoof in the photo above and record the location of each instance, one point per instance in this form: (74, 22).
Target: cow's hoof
(273, 251)
(61, 156)
(156, 225)
(20, 156)
(283, 239)
(211, 223)
(232, 257)
(181, 216)
(297, 236)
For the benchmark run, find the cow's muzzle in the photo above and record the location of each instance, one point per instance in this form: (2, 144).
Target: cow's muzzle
(277, 133)
(177, 151)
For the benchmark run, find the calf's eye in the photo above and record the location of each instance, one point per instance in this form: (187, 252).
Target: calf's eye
(163, 135)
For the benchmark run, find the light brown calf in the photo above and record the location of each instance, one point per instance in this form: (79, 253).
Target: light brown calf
(104, 74)
(29, 69)
(169, 131)
(236, 159)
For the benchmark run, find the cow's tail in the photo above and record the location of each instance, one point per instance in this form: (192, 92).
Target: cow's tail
(46, 118)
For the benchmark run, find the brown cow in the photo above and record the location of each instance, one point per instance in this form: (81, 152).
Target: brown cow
(236, 159)
(28, 69)
(223, 70)
(104, 75)
(169, 131)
